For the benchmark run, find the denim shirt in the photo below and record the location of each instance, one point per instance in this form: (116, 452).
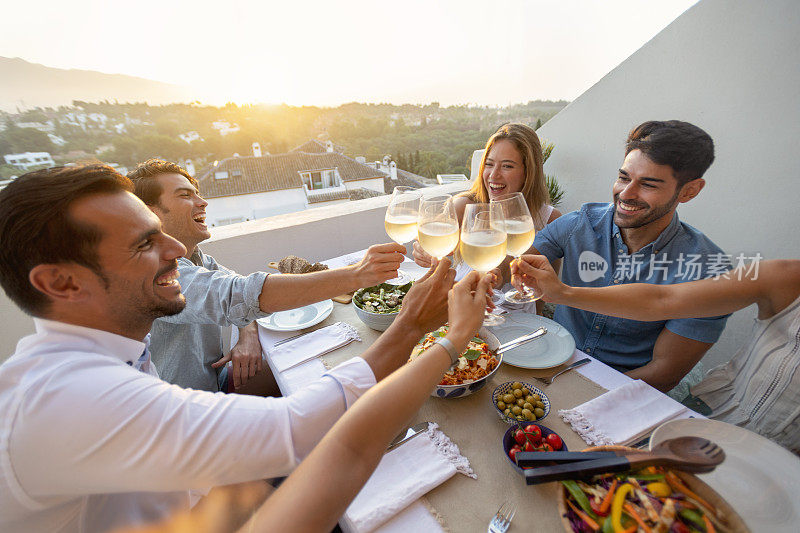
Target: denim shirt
(595, 256)
(184, 346)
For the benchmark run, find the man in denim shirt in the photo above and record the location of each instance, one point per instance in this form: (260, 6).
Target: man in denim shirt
(639, 238)
(187, 348)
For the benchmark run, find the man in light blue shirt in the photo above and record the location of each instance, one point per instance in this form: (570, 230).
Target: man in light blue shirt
(639, 238)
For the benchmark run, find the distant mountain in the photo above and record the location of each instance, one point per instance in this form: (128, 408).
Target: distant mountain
(26, 85)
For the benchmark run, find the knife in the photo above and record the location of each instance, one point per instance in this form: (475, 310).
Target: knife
(407, 435)
(519, 341)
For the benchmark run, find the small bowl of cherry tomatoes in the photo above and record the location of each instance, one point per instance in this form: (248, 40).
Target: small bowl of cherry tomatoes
(530, 438)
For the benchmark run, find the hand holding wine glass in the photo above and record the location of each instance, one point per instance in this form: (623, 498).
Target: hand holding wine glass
(483, 243)
(520, 233)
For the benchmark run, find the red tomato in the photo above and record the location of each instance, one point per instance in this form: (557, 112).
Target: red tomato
(533, 430)
(528, 447)
(536, 441)
(519, 436)
(547, 448)
(554, 441)
(516, 447)
(512, 453)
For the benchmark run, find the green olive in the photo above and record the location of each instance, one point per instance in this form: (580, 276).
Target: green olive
(517, 393)
(539, 412)
(507, 412)
(527, 413)
(536, 397)
(501, 405)
(521, 418)
(528, 406)
(539, 404)
(516, 410)
(516, 385)
(525, 391)
(530, 399)
(508, 398)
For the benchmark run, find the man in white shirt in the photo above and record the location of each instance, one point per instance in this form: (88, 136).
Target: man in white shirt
(90, 438)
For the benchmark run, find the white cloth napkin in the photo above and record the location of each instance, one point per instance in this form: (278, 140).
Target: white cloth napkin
(623, 415)
(313, 345)
(403, 475)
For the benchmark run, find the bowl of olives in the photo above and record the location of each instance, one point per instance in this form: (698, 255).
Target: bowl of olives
(517, 401)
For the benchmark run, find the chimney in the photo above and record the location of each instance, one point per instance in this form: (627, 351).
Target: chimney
(393, 171)
(190, 167)
(328, 146)
(256, 150)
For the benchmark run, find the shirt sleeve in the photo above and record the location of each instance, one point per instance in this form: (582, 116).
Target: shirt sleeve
(220, 297)
(551, 240)
(699, 329)
(109, 428)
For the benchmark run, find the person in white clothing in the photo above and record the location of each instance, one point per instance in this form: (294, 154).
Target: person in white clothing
(90, 438)
(759, 388)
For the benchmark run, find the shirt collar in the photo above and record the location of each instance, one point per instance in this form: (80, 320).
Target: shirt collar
(666, 235)
(126, 350)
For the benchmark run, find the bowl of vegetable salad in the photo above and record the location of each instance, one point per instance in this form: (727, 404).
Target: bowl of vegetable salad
(378, 306)
(650, 499)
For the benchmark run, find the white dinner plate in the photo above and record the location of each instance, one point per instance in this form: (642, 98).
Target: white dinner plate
(554, 349)
(300, 318)
(759, 478)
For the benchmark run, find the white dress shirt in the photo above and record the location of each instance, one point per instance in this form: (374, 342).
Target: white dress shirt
(90, 443)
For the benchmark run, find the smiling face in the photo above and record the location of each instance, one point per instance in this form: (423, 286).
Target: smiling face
(644, 192)
(182, 210)
(503, 170)
(138, 278)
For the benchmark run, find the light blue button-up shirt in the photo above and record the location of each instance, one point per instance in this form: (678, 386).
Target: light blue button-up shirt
(595, 256)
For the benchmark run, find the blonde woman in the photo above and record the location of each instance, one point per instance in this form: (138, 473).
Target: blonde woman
(512, 162)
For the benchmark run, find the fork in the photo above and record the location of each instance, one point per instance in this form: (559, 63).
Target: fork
(576, 364)
(502, 519)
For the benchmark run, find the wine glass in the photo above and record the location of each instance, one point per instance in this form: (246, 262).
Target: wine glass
(483, 243)
(401, 222)
(437, 226)
(521, 232)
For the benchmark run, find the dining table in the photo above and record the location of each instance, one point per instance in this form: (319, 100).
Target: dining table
(461, 503)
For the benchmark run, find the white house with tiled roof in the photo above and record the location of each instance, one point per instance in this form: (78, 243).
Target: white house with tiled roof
(247, 188)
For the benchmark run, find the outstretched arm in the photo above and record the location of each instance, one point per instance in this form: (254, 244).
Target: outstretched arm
(288, 291)
(319, 491)
(773, 286)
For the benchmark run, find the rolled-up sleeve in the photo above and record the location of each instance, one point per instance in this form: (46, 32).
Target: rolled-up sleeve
(315, 408)
(220, 297)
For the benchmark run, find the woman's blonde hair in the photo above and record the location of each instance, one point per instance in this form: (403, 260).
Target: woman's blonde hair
(535, 188)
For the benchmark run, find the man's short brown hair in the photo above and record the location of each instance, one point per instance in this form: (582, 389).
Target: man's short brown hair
(36, 227)
(149, 189)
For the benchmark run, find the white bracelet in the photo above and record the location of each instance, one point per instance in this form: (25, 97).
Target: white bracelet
(451, 349)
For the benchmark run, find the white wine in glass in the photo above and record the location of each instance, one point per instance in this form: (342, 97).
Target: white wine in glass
(400, 222)
(401, 215)
(437, 226)
(521, 233)
(483, 243)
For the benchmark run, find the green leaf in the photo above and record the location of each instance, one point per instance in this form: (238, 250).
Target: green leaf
(471, 355)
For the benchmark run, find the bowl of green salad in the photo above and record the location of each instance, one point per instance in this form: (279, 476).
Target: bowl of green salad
(378, 306)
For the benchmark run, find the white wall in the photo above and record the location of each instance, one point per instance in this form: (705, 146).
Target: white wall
(258, 205)
(732, 68)
(375, 184)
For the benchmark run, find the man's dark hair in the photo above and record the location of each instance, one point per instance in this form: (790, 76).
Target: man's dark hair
(149, 189)
(683, 146)
(36, 227)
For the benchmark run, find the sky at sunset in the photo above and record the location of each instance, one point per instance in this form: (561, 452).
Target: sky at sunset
(327, 53)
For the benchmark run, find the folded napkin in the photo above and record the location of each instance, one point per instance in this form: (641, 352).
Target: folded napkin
(623, 415)
(403, 475)
(313, 345)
